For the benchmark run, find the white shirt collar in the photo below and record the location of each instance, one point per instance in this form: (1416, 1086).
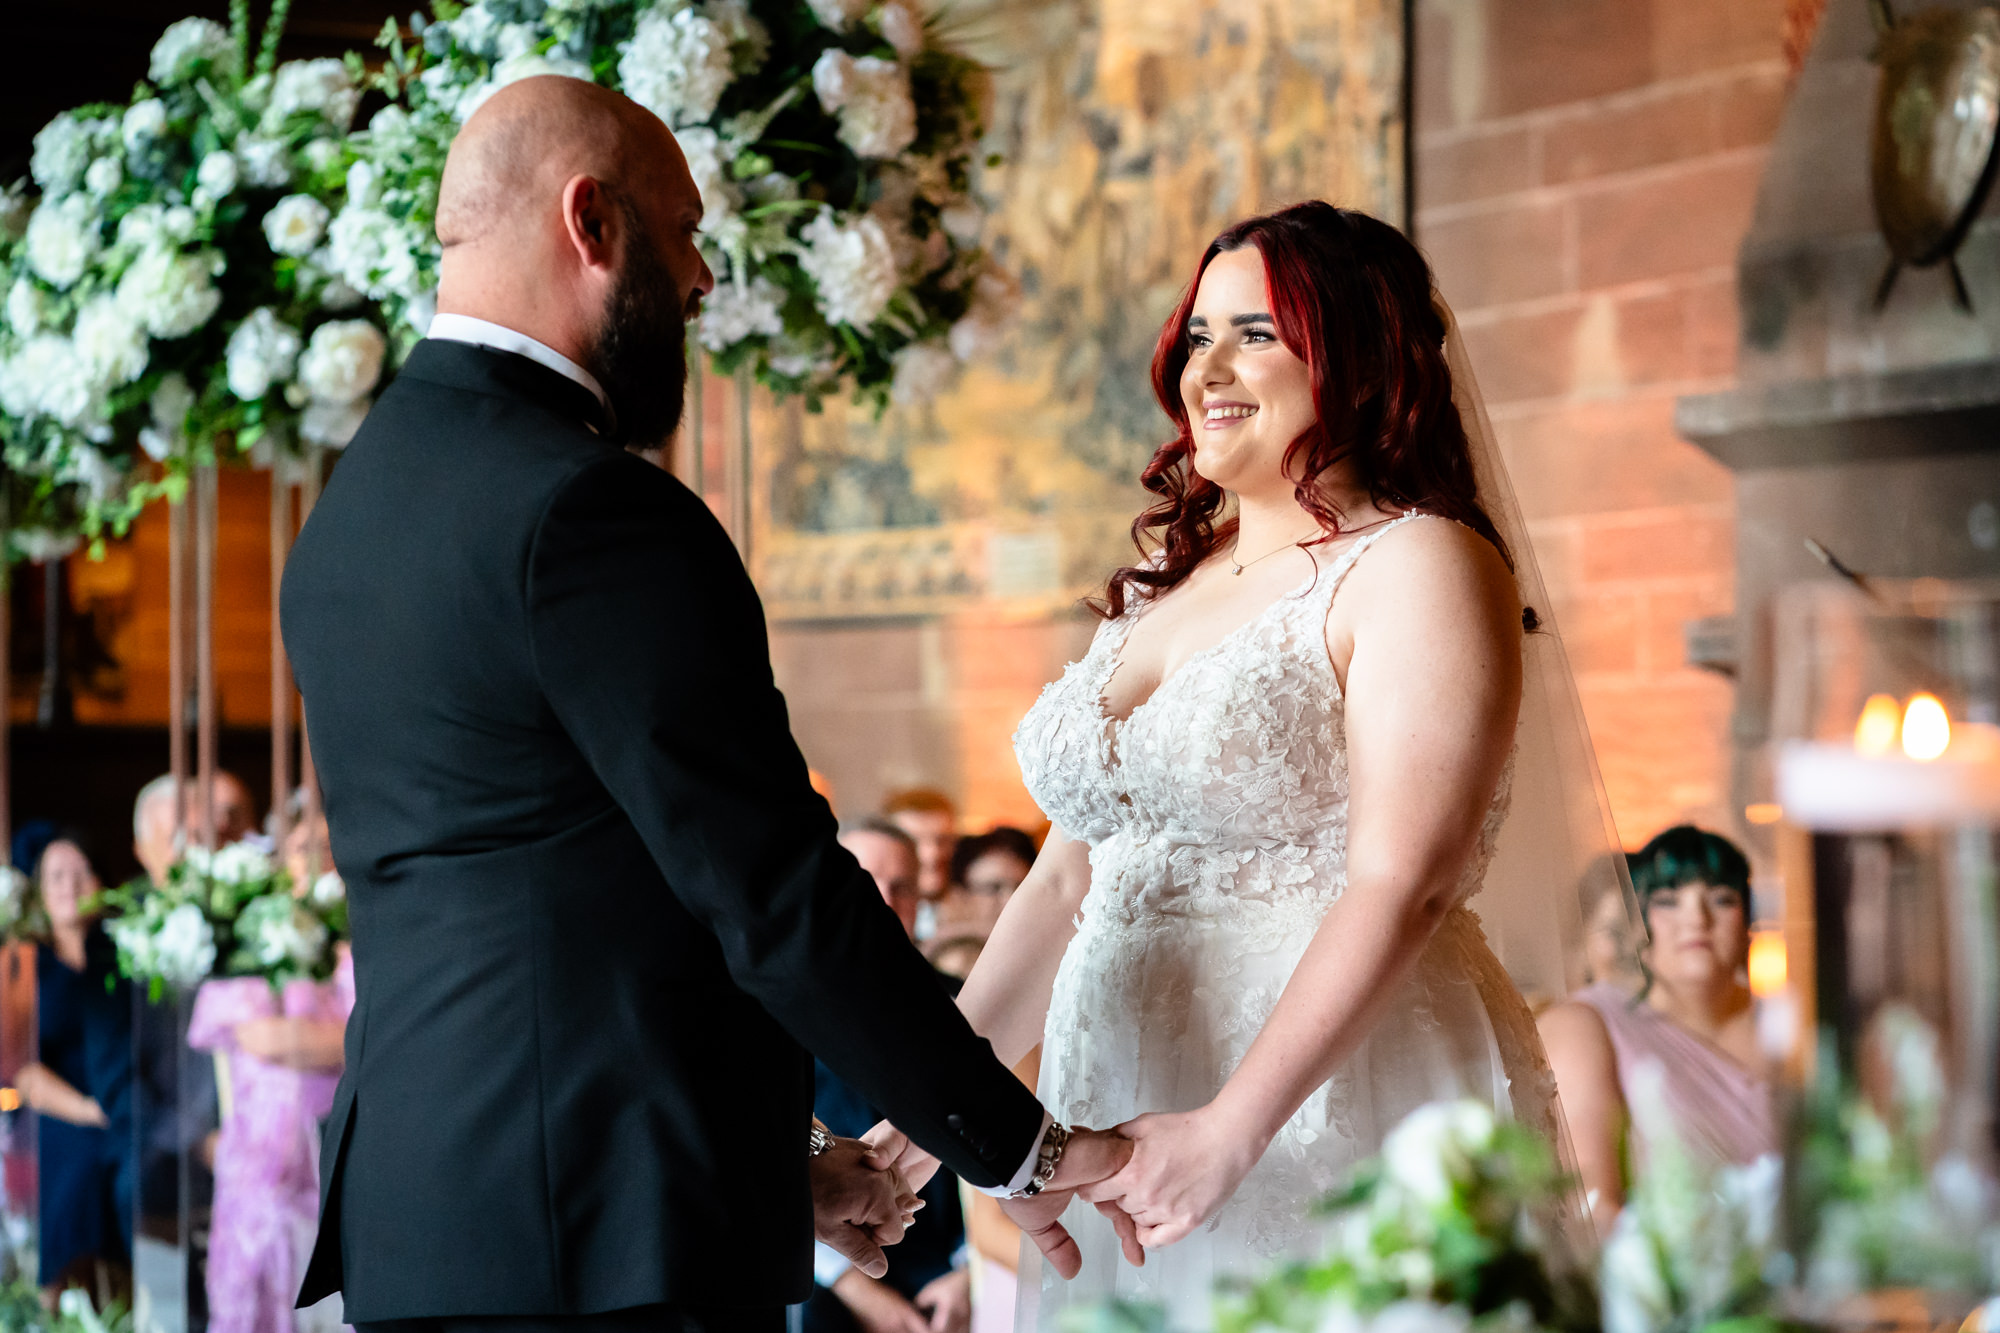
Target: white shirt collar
(485, 333)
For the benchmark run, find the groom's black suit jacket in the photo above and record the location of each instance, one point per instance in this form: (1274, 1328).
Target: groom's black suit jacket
(599, 914)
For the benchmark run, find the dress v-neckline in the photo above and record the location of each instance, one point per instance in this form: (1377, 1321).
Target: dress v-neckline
(1116, 653)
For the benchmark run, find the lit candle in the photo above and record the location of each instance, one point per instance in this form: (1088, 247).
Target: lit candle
(1777, 1013)
(1945, 774)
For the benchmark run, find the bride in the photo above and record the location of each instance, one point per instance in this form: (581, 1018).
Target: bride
(1276, 778)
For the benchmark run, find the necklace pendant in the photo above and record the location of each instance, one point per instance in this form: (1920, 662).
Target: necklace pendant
(1236, 569)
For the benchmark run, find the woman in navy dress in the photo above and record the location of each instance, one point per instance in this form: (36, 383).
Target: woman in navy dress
(81, 1086)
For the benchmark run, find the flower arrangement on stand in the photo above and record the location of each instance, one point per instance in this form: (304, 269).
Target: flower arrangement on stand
(21, 1312)
(231, 912)
(833, 143)
(168, 292)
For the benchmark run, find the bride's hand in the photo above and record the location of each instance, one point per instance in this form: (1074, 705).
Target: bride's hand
(901, 1152)
(1184, 1166)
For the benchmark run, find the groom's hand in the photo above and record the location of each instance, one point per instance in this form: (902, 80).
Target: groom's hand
(1093, 1155)
(860, 1203)
(916, 1165)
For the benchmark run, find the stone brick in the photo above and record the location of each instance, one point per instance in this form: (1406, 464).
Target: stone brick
(1610, 454)
(1599, 140)
(1600, 631)
(1661, 743)
(1675, 544)
(1653, 337)
(1510, 252)
(1543, 53)
(1663, 224)
(1712, 328)
(1475, 166)
(1690, 36)
(1663, 640)
(1523, 356)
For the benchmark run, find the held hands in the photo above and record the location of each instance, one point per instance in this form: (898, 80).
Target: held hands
(1183, 1166)
(860, 1203)
(1093, 1157)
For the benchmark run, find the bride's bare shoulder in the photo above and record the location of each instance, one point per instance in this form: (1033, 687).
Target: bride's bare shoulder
(1432, 564)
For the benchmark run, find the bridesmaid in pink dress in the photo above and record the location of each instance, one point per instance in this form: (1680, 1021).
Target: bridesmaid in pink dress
(282, 1056)
(1692, 1023)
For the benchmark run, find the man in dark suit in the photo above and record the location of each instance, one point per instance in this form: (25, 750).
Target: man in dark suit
(599, 915)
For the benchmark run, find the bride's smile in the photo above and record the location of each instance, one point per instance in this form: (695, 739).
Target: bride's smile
(1247, 395)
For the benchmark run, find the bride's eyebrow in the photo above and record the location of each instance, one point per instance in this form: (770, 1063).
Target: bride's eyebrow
(1235, 321)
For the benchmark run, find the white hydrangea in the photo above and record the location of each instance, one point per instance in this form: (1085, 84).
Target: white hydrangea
(477, 30)
(921, 372)
(342, 362)
(872, 98)
(183, 950)
(93, 471)
(295, 224)
(218, 174)
(371, 252)
(13, 896)
(15, 206)
(840, 15)
(277, 931)
(703, 150)
(38, 546)
(232, 863)
(103, 176)
(261, 352)
(45, 377)
(144, 122)
(28, 307)
(151, 225)
(62, 239)
(109, 342)
(321, 87)
(266, 163)
(184, 47)
(171, 293)
(676, 64)
(901, 26)
(852, 266)
(746, 34)
(327, 890)
(733, 312)
(62, 154)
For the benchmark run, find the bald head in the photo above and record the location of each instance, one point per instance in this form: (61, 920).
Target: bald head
(567, 213)
(510, 163)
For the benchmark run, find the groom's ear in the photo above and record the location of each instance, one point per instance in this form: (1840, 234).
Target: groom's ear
(589, 223)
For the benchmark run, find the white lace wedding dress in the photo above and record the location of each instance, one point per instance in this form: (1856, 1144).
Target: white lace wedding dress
(1216, 817)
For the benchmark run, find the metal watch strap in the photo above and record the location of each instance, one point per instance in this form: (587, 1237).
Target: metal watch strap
(1046, 1161)
(819, 1142)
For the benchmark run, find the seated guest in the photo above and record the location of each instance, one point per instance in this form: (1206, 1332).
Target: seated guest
(157, 840)
(931, 820)
(927, 1286)
(985, 871)
(81, 1087)
(1692, 1023)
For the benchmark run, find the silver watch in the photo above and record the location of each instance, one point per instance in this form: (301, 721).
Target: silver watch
(819, 1142)
(1046, 1161)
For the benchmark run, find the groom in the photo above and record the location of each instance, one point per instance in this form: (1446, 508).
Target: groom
(600, 917)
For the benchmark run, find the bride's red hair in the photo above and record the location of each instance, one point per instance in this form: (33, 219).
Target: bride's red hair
(1352, 299)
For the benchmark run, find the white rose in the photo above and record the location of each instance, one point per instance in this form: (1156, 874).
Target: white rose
(62, 239)
(110, 342)
(852, 266)
(27, 307)
(93, 471)
(321, 87)
(477, 30)
(332, 424)
(218, 174)
(185, 47)
(527, 66)
(901, 26)
(38, 546)
(872, 98)
(295, 224)
(264, 161)
(171, 403)
(921, 372)
(996, 305)
(171, 293)
(372, 252)
(15, 206)
(749, 40)
(103, 176)
(240, 863)
(144, 122)
(733, 312)
(676, 65)
(389, 124)
(703, 150)
(342, 362)
(261, 352)
(62, 154)
(839, 15)
(1430, 1153)
(1636, 1296)
(328, 889)
(364, 183)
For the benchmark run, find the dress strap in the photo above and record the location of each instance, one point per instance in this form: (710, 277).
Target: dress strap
(1336, 574)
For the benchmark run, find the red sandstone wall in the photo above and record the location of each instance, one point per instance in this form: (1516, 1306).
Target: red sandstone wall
(1585, 172)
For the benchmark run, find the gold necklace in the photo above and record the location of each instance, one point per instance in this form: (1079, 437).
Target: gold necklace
(1236, 567)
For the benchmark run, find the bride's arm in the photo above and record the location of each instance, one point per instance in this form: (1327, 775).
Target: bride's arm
(1006, 999)
(1432, 691)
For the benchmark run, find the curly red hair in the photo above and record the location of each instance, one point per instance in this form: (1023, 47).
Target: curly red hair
(1351, 296)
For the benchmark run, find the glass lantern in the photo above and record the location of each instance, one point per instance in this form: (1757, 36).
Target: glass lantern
(1884, 1005)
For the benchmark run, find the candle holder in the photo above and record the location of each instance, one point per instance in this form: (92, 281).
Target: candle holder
(1888, 777)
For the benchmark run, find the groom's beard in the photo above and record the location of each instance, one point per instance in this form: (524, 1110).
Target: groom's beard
(642, 351)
